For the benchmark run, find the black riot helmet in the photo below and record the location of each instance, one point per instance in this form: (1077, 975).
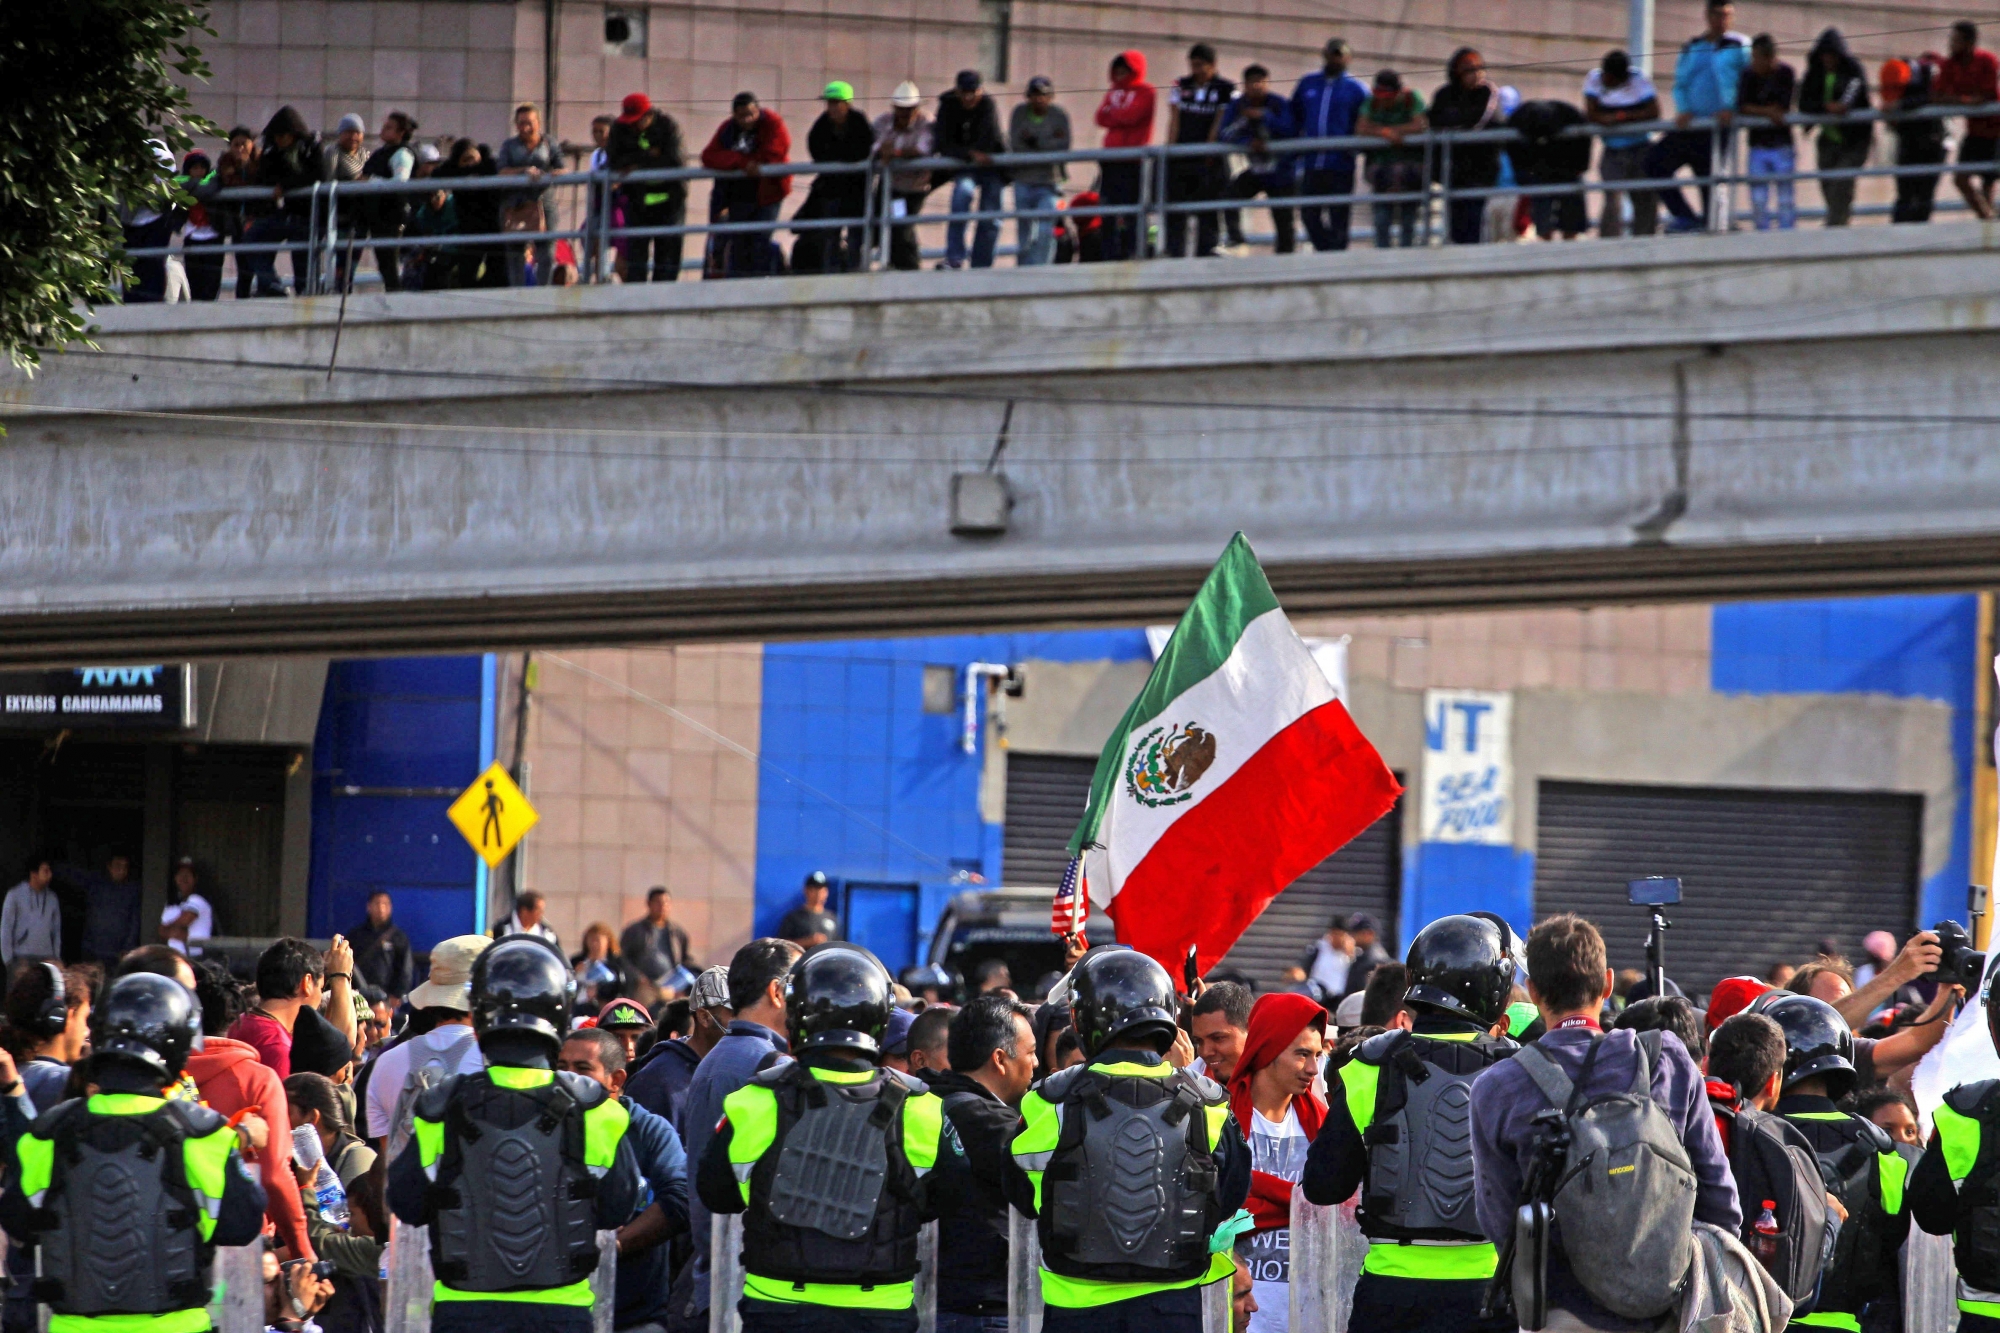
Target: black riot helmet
(522, 984)
(1121, 997)
(1818, 1042)
(837, 998)
(1464, 966)
(150, 1019)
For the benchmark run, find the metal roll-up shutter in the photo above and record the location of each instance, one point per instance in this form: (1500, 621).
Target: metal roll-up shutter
(1765, 875)
(1363, 876)
(1046, 794)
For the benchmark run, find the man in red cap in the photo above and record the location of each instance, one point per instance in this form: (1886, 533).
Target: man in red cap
(645, 138)
(1271, 1095)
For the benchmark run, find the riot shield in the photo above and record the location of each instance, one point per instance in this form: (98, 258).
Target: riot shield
(407, 1303)
(725, 1273)
(1930, 1284)
(604, 1284)
(1024, 1275)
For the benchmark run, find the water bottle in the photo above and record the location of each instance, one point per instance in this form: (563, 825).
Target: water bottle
(1765, 1234)
(332, 1198)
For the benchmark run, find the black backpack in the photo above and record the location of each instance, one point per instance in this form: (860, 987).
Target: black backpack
(1772, 1160)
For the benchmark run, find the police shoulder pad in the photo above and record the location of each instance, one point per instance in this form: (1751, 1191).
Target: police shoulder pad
(915, 1086)
(49, 1121)
(1210, 1092)
(1867, 1132)
(776, 1074)
(1972, 1099)
(1062, 1084)
(199, 1121)
(1379, 1048)
(587, 1091)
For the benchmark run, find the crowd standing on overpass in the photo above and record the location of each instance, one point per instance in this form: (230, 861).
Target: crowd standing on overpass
(518, 1101)
(1719, 73)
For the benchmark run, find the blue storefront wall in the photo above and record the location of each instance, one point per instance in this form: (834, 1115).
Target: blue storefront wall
(398, 739)
(1906, 647)
(858, 781)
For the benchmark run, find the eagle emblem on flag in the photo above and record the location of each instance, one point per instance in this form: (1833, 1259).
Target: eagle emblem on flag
(1166, 762)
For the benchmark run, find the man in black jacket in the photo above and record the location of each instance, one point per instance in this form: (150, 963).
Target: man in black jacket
(645, 138)
(381, 949)
(968, 128)
(991, 1048)
(841, 134)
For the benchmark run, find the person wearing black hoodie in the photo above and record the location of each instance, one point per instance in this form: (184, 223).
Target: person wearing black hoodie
(968, 128)
(1833, 85)
(483, 264)
(841, 134)
(991, 1050)
(289, 160)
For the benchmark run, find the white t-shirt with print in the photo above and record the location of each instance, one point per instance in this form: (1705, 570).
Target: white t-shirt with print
(1276, 1150)
(201, 928)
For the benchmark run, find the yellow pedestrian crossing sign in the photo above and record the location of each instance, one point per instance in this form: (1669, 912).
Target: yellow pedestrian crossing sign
(493, 814)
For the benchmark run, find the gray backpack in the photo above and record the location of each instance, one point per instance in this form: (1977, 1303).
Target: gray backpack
(1624, 1196)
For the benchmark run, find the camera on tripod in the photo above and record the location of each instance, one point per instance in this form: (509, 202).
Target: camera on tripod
(1961, 964)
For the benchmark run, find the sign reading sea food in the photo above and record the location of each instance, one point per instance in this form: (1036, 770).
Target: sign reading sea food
(1468, 767)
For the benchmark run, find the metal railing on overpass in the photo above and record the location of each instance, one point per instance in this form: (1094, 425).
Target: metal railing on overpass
(327, 227)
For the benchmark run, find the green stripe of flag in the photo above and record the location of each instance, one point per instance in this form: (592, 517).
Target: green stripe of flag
(1234, 594)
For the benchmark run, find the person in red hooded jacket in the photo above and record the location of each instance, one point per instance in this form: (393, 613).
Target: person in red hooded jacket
(1126, 113)
(1272, 1096)
(749, 141)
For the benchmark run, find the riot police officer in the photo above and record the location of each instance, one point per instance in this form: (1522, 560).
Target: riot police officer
(1864, 1168)
(1399, 1129)
(1955, 1190)
(172, 1166)
(515, 1168)
(1126, 1233)
(832, 1160)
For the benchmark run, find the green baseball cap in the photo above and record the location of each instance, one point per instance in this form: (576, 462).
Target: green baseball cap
(838, 91)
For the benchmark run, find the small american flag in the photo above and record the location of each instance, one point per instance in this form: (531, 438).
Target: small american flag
(1067, 913)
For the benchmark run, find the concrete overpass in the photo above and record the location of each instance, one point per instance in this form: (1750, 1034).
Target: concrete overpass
(1689, 417)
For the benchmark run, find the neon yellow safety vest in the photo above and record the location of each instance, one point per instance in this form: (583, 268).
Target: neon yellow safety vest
(752, 1112)
(1959, 1135)
(604, 1128)
(206, 1162)
(1032, 1149)
(1430, 1260)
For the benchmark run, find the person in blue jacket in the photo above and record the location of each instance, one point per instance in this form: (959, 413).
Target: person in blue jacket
(1254, 118)
(1705, 82)
(1325, 106)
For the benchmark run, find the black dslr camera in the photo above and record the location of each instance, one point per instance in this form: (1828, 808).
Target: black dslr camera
(1961, 964)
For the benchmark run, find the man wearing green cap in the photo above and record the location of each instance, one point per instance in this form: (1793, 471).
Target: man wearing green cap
(839, 135)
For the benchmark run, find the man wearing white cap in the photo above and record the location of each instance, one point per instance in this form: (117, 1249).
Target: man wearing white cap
(447, 1046)
(344, 162)
(903, 134)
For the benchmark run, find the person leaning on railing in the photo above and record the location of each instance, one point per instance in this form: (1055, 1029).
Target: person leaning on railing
(1764, 93)
(645, 138)
(1038, 125)
(1467, 101)
(1616, 94)
(1908, 85)
(903, 134)
(1253, 118)
(1969, 76)
(1833, 85)
(841, 134)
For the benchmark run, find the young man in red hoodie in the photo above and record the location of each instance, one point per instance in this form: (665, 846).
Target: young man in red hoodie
(233, 1082)
(750, 140)
(1126, 113)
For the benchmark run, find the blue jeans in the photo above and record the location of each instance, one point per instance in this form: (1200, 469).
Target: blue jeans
(1772, 162)
(991, 190)
(1037, 240)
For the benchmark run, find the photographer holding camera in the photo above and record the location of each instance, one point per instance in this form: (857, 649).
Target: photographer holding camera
(1942, 955)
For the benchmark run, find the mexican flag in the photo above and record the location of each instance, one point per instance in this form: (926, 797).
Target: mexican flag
(1234, 772)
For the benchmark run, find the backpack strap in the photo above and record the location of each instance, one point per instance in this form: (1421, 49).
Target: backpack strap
(888, 1103)
(1648, 1060)
(1546, 1074)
